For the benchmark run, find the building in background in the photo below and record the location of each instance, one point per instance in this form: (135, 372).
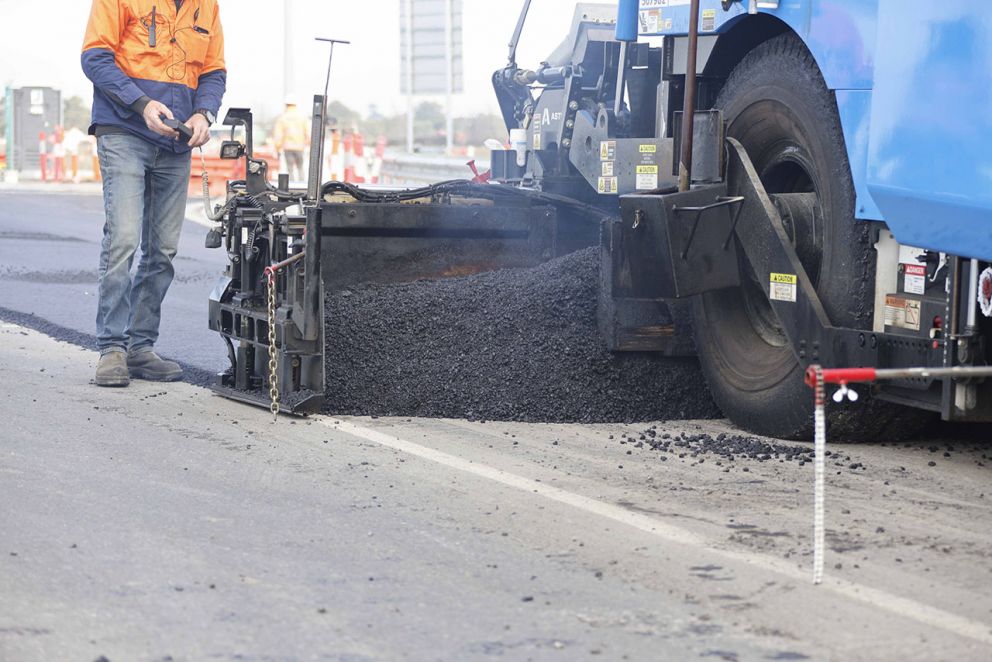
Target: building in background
(30, 112)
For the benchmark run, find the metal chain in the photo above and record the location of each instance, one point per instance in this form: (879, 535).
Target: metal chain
(273, 365)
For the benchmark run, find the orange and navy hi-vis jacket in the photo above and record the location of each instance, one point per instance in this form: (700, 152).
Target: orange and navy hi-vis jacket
(139, 50)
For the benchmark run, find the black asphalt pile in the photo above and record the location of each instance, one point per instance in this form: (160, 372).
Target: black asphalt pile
(515, 344)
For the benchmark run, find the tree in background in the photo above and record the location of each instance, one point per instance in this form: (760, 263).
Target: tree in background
(76, 113)
(429, 125)
(477, 129)
(340, 116)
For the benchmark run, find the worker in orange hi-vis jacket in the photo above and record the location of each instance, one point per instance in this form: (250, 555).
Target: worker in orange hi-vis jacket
(151, 62)
(292, 137)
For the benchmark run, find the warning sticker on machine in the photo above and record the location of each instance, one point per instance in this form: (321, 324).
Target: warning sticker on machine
(783, 287)
(708, 24)
(537, 140)
(608, 150)
(647, 177)
(607, 185)
(650, 21)
(903, 313)
(607, 169)
(647, 149)
(914, 278)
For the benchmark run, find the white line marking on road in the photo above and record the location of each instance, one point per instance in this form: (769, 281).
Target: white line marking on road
(895, 604)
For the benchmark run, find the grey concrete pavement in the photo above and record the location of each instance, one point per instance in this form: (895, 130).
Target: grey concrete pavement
(160, 522)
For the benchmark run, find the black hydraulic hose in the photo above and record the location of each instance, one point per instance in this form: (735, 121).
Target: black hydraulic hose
(466, 188)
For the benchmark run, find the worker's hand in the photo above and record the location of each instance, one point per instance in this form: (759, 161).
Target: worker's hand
(201, 130)
(153, 119)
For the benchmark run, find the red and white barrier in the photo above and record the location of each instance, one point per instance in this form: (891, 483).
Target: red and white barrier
(375, 168)
(43, 155)
(58, 154)
(348, 161)
(334, 158)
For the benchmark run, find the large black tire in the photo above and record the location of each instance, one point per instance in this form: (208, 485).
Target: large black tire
(777, 104)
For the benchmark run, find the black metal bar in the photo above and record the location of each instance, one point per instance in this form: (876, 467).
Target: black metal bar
(722, 201)
(689, 103)
(514, 40)
(426, 233)
(318, 127)
(733, 225)
(313, 292)
(692, 233)
(316, 147)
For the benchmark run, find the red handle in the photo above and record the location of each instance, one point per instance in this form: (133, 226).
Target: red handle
(840, 375)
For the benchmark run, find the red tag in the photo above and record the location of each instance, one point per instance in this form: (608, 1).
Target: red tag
(916, 270)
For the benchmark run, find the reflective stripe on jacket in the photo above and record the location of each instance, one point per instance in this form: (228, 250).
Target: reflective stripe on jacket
(135, 50)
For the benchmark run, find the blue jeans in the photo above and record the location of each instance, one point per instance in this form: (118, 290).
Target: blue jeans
(144, 197)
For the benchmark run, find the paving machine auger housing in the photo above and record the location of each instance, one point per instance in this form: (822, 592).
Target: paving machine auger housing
(342, 235)
(721, 170)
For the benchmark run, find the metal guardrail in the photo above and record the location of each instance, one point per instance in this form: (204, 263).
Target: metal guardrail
(418, 170)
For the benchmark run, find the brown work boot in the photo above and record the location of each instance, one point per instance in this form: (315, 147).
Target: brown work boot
(149, 366)
(112, 370)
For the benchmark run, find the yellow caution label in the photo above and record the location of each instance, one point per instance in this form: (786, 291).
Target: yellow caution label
(708, 24)
(789, 279)
(649, 149)
(647, 170)
(608, 150)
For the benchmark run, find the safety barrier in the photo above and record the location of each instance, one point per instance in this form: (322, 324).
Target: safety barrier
(418, 170)
(61, 153)
(221, 171)
(346, 159)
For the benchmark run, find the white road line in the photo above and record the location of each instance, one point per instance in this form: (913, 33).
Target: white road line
(895, 604)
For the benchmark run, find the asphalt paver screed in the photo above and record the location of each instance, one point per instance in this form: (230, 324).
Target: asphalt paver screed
(515, 344)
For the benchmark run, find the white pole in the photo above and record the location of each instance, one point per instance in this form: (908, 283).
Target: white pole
(409, 75)
(287, 51)
(972, 297)
(450, 74)
(819, 468)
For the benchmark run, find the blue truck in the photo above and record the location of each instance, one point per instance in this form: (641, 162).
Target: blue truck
(828, 203)
(772, 184)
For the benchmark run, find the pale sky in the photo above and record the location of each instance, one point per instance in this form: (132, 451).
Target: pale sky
(40, 42)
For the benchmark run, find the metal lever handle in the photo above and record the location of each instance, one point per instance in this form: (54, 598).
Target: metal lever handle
(722, 201)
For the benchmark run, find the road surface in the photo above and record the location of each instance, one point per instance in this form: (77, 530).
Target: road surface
(49, 253)
(160, 522)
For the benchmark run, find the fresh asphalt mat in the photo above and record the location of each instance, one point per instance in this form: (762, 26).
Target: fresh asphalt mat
(191, 374)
